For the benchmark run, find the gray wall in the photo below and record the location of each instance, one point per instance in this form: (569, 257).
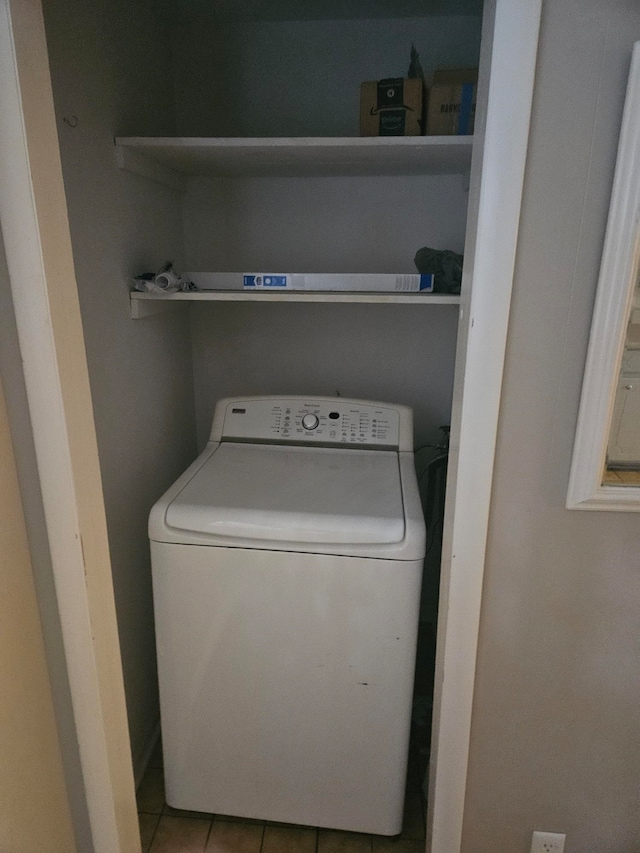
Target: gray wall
(394, 353)
(110, 64)
(555, 741)
(302, 78)
(289, 78)
(340, 224)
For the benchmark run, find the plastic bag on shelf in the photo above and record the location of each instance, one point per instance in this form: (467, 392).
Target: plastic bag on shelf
(444, 265)
(166, 280)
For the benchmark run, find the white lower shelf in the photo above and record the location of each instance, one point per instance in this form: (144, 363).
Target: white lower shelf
(145, 304)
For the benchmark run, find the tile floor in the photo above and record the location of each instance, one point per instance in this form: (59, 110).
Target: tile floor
(167, 830)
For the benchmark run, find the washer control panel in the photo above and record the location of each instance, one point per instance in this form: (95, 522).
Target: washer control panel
(312, 420)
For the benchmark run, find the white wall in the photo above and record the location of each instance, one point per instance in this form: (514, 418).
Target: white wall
(555, 727)
(288, 78)
(36, 713)
(110, 67)
(394, 353)
(302, 78)
(321, 224)
(34, 776)
(35, 810)
(402, 354)
(15, 395)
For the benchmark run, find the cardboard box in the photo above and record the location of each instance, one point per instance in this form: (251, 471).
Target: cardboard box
(392, 107)
(452, 102)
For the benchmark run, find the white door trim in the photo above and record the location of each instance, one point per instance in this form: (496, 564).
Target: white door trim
(36, 235)
(507, 71)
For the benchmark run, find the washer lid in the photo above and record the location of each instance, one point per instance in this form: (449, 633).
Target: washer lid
(294, 494)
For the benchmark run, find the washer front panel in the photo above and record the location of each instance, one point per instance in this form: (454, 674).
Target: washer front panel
(286, 683)
(312, 421)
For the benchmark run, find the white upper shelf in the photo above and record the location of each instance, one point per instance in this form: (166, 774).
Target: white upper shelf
(294, 156)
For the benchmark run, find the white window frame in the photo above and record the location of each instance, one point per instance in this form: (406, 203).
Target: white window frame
(616, 284)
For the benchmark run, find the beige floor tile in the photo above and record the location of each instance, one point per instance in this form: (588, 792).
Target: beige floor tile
(180, 835)
(334, 841)
(396, 845)
(631, 478)
(289, 839)
(151, 792)
(235, 837)
(147, 824)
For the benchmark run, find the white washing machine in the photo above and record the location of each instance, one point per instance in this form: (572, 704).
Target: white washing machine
(287, 563)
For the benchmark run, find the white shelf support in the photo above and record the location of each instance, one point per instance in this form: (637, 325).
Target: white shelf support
(141, 308)
(133, 161)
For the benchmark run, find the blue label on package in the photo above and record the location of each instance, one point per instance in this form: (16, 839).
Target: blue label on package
(265, 281)
(426, 281)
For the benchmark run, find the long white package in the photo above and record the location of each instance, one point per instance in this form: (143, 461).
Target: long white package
(383, 282)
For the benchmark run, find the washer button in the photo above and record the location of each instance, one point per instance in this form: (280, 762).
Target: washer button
(310, 421)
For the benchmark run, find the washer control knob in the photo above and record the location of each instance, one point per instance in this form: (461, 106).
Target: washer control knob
(310, 421)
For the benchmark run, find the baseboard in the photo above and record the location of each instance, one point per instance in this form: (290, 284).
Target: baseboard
(141, 761)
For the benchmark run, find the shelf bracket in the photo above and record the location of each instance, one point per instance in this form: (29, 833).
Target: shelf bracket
(133, 161)
(141, 308)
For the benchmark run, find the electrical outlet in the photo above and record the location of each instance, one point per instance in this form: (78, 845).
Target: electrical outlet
(548, 842)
